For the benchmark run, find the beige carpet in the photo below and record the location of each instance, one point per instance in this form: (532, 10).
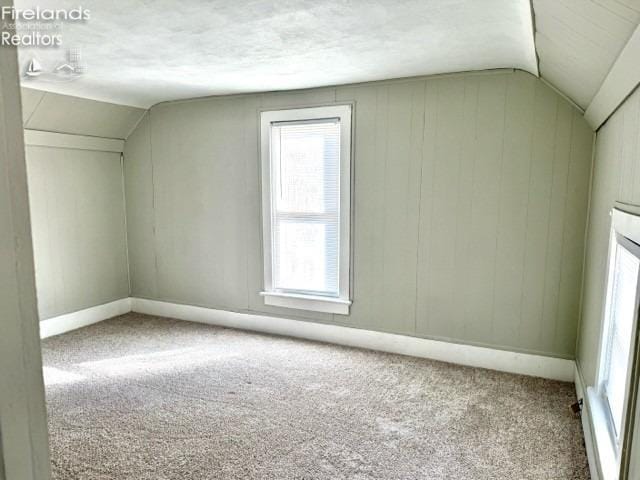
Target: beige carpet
(140, 397)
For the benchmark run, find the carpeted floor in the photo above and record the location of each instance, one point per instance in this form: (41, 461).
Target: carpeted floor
(141, 397)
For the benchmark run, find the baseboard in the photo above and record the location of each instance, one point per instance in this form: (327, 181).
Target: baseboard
(502, 360)
(82, 318)
(581, 393)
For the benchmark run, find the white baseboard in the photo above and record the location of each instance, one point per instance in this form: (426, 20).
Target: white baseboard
(482, 357)
(82, 318)
(581, 393)
(502, 360)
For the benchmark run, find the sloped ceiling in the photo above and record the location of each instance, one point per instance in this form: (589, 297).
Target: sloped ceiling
(79, 116)
(141, 52)
(578, 41)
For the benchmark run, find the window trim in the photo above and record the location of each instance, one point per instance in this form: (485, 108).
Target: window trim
(298, 300)
(611, 447)
(634, 249)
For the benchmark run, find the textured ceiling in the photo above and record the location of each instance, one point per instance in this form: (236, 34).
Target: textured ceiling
(141, 52)
(579, 40)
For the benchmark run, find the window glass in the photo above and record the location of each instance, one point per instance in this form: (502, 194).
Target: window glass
(622, 311)
(305, 160)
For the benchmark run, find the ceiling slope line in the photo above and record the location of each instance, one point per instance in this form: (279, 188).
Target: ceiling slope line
(620, 82)
(532, 13)
(566, 97)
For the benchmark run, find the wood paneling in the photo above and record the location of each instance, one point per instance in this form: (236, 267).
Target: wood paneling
(616, 180)
(469, 207)
(616, 183)
(77, 214)
(139, 205)
(578, 41)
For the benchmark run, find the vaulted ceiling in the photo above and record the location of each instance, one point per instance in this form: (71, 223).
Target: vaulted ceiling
(140, 52)
(577, 42)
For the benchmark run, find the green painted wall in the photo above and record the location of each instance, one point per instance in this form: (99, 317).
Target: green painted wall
(469, 215)
(77, 203)
(616, 180)
(78, 222)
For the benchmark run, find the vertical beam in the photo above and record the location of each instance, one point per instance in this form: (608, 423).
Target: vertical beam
(23, 428)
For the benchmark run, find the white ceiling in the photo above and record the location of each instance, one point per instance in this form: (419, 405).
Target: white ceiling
(141, 52)
(579, 40)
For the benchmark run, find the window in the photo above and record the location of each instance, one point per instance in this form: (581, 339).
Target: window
(306, 182)
(621, 312)
(608, 400)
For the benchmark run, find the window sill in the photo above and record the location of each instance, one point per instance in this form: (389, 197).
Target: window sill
(605, 448)
(307, 302)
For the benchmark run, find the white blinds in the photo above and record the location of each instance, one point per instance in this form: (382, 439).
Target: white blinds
(622, 310)
(305, 189)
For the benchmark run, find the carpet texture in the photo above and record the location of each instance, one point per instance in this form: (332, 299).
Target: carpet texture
(142, 398)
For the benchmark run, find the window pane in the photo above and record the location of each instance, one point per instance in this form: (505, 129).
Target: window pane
(309, 167)
(306, 204)
(303, 262)
(622, 311)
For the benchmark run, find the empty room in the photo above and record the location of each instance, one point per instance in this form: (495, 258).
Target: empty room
(319, 239)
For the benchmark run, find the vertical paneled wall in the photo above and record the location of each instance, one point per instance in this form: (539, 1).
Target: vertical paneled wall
(616, 182)
(77, 215)
(77, 202)
(470, 204)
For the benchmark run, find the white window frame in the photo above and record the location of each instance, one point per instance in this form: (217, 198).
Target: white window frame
(625, 228)
(289, 299)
